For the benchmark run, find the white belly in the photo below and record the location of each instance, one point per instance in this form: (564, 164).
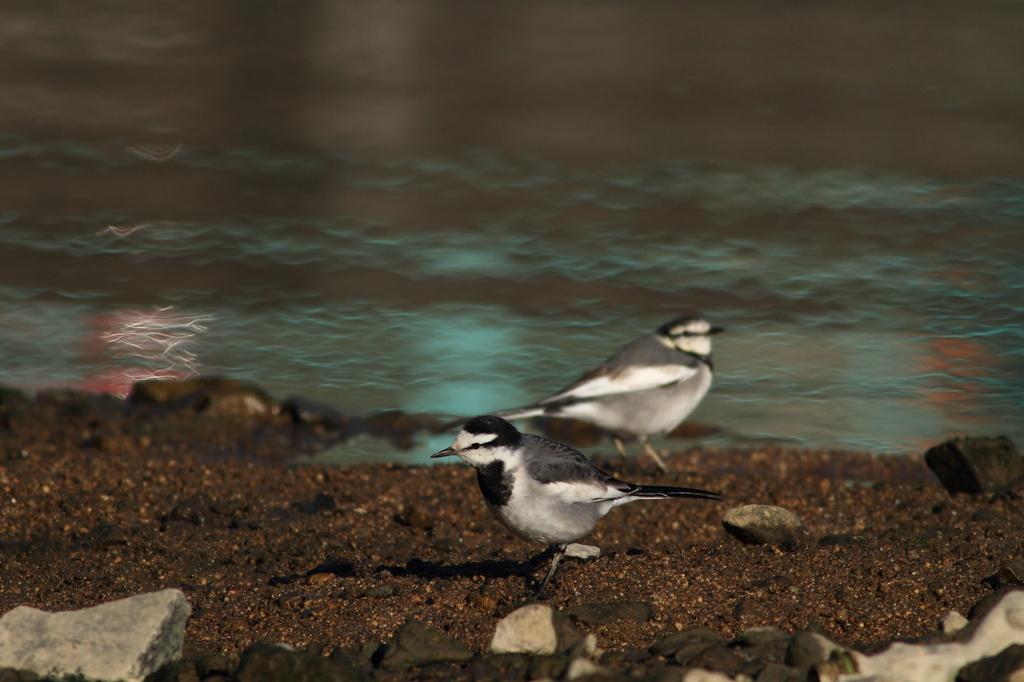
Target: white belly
(539, 513)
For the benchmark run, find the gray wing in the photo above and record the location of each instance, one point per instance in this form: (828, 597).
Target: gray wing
(552, 462)
(642, 364)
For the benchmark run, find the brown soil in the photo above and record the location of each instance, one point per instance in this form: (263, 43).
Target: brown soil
(88, 495)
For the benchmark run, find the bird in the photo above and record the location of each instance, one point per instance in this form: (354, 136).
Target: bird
(543, 491)
(646, 388)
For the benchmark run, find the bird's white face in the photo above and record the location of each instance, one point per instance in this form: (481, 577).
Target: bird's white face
(473, 448)
(693, 336)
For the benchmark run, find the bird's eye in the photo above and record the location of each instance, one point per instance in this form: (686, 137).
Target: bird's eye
(473, 446)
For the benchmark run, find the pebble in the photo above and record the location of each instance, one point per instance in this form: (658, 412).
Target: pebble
(126, 639)
(807, 649)
(416, 644)
(584, 552)
(534, 629)
(952, 623)
(699, 675)
(976, 465)
(756, 524)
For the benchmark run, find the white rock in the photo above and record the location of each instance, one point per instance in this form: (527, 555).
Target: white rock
(125, 639)
(1001, 627)
(702, 675)
(585, 552)
(952, 623)
(582, 666)
(527, 630)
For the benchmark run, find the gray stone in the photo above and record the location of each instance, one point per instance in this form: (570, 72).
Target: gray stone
(277, 663)
(584, 552)
(757, 524)
(127, 639)
(952, 623)
(976, 465)
(807, 649)
(720, 658)
(761, 635)
(605, 614)
(689, 638)
(776, 672)
(415, 644)
(534, 629)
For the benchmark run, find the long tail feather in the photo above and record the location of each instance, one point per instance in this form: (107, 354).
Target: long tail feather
(518, 413)
(663, 491)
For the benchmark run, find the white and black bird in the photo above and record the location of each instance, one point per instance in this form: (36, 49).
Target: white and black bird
(646, 388)
(544, 491)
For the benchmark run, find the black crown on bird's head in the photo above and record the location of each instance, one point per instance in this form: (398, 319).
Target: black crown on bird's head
(488, 423)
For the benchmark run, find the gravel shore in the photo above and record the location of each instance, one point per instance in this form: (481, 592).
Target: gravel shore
(100, 502)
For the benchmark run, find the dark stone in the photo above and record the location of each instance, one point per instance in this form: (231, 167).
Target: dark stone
(102, 537)
(765, 525)
(842, 540)
(196, 510)
(747, 607)
(400, 427)
(686, 638)
(498, 667)
(414, 517)
(996, 668)
(1011, 573)
(310, 413)
(321, 504)
(549, 667)
(266, 663)
(604, 614)
(976, 465)
(720, 658)
(215, 664)
(985, 604)
(415, 644)
(380, 591)
(776, 672)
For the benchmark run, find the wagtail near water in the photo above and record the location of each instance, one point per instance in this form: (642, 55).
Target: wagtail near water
(646, 388)
(544, 491)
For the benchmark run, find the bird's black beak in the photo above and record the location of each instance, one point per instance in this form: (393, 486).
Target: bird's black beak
(715, 330)
(447, 452)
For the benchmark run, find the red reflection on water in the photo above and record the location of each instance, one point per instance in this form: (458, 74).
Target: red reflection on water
(132, 345)
(961, 361)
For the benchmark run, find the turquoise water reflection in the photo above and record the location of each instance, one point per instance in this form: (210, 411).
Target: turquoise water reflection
(865, 310)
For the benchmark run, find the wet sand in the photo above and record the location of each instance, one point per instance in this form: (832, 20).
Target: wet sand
(98, 505)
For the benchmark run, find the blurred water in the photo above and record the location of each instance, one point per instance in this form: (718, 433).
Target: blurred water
(374, 211)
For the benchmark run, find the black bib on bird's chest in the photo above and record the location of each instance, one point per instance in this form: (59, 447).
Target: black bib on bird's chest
(495, 483)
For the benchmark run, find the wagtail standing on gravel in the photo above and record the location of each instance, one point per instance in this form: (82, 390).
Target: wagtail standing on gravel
(544, 491)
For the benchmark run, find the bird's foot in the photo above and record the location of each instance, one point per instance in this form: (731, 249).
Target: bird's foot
(656, 457)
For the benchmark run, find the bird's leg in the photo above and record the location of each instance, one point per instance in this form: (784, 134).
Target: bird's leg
(559, 552)
(620, 447)
(654, 455)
